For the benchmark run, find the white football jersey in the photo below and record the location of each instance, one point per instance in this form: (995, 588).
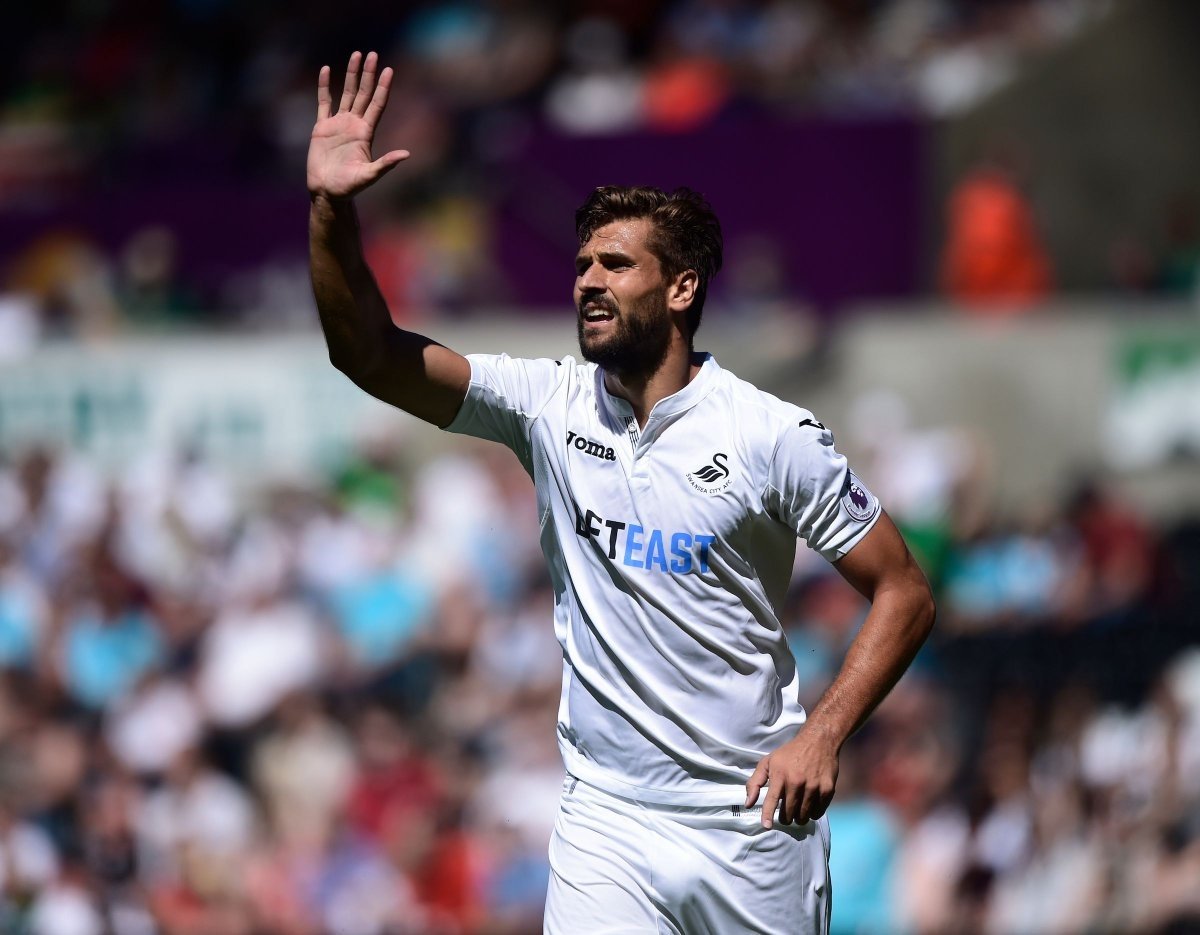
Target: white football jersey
(670, 550)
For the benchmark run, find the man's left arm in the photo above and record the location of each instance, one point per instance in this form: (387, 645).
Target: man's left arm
(800, 776)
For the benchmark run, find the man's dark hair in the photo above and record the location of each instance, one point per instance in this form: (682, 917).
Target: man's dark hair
(686, 233)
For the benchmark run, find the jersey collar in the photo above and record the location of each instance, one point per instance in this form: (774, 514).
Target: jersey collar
(671, 406)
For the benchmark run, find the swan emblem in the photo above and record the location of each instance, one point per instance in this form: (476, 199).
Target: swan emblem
(711, 474)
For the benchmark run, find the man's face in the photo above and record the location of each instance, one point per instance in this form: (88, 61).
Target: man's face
(621, 299)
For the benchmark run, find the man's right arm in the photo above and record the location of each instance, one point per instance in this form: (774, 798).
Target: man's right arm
(407, 370)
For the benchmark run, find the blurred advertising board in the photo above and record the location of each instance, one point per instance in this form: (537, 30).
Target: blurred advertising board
(1154, 415)
(1105, 388)
(261, 406)
(257, 405)
(1064, 393)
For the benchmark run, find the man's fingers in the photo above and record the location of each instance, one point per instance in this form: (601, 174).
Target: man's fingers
(350, 88)
(362, 97)
(324, 99)
(770, 803)
(755, 783)
(788, 804)
(379, 99)
(821, 805)
(808, 804)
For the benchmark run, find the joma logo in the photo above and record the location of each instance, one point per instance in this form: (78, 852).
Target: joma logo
(589, 447)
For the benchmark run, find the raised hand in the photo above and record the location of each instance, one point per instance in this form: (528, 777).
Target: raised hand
(339, 153)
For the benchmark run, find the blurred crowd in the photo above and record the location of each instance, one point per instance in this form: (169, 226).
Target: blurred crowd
(123, 80)
(1037, 772)
(155, 99)
(277, 709)
(330, 709)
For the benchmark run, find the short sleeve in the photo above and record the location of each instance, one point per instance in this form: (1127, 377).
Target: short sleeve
(811, 489)
(504, 398)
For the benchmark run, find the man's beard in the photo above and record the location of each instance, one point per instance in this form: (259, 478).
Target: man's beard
(639, 342)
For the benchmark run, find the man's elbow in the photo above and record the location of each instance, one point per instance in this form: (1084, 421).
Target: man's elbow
(928, 613)
(360, 369)
(339, 361)
(924, 609)
(349, 364)
(909, 588)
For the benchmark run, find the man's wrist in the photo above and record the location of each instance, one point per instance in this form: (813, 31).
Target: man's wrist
(329, 209)
(817, 726)
(326, 202)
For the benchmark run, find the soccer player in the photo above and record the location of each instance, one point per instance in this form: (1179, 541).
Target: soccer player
(670, 495)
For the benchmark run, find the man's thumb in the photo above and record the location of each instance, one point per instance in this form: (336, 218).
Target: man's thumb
(389, 161)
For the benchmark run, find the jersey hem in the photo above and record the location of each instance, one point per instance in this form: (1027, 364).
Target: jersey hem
(714, 794)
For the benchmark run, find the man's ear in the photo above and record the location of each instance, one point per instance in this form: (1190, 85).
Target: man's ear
(683, 291)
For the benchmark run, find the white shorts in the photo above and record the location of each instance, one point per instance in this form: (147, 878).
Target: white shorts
(623, 866)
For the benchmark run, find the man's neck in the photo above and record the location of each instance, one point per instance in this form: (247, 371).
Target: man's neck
(642, 391)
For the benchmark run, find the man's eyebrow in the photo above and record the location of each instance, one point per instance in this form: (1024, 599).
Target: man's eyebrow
(604, 255)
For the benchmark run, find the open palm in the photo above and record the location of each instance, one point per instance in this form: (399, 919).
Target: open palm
(339, 153)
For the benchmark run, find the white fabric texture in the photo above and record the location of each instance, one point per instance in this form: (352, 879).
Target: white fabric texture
(670, 551)
(622, 866)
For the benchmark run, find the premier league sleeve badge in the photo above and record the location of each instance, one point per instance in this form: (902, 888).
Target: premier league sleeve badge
(858, 501)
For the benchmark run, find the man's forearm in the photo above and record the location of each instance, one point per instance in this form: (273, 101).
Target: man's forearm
(898, 623)
(354, 315)
(406, 370)
(800, 776)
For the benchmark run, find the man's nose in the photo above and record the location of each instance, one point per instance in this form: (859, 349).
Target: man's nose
(592, 279)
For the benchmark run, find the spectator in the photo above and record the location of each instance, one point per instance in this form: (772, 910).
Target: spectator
(993, 259)
(110, 639)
